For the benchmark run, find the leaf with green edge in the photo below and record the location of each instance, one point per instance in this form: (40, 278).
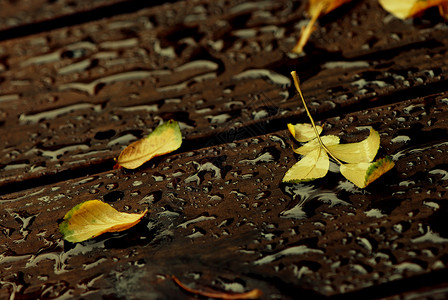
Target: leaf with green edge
(364, 151)
(378, 168)
(164, 139)
(364, 173)
(93, 218)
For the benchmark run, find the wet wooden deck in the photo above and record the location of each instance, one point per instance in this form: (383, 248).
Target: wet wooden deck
(79, 81)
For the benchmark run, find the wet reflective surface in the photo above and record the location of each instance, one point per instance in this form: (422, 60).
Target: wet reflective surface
(232, 197)
(72, 98)
(228, 70)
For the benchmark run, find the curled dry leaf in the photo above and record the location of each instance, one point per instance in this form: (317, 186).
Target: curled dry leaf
(252, 294)
(407, 9)
(93, 218)
(316, 8)
(164, 139)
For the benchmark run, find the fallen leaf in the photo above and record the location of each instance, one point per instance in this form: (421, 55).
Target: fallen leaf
(443, 10)
(313, 165)
(164, 139)
(411, 8)
(316, 8)
(252, 294)
(93, 218)
(327, 140)
(304, 132)
(364, 151)
(378, 168)
(362, 174)
(315, 161)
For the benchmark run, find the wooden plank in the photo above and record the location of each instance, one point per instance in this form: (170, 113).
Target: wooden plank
(82, 93)
(24, 17)
(221, 218)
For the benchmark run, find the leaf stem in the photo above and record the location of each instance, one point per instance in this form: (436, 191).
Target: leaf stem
(297, 85)
(308, 29)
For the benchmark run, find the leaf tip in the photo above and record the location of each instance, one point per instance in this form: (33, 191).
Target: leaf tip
(292, 129)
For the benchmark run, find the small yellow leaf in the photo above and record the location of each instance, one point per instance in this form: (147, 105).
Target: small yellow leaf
(364, 173)
(303, 132)
(410, 8)
(364, 151)
(316, 8)
(312, 166)
(93, 218)
(327, 140)
(164, 139)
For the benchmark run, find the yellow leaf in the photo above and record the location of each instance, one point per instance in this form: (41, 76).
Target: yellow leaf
(315, 163)
(443, 10)
(304, 132)
(356, 173)
(164, 139)
(378, 168)
(406, 9)
(327, 140)
(316, 8)
(364, 151)
(364, 173)
(92, 218)
(312, 166)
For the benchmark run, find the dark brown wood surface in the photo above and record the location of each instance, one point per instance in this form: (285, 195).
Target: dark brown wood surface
(74, 94)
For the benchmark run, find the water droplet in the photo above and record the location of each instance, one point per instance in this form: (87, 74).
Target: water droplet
(151, 198)
(113, 196)
(275, 78)
(33, 118)
(196, 220)
(104, 135)
(137, 183)
(264, 157)
(111, 186)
